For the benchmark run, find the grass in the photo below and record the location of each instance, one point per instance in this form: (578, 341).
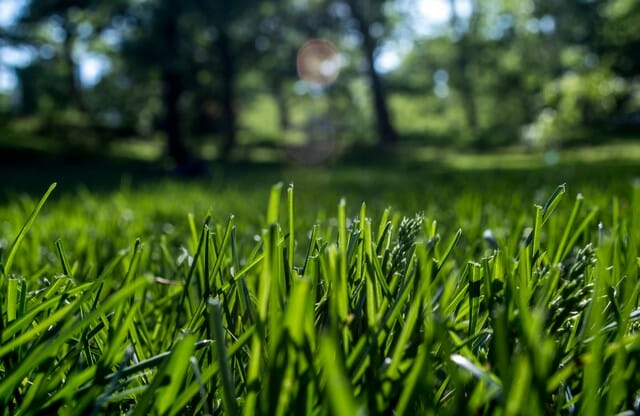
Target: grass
(503, 295)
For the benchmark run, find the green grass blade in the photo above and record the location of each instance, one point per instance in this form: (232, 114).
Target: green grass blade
(291, 217)
(12, 300)
(66, 269)
(25, 229)
(168, 381)
(228, 386)
(553, 202)
(561, 248)
(273, 210)
(338, 388)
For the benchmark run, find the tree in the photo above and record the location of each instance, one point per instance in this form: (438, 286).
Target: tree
(229, 44)
(157, 52)
(181, 54)
(368, 14)
(463, 38)
(166, 15)
(280, 31)
(71, 18)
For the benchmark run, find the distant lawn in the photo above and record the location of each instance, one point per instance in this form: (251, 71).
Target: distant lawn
(31, 163)
(436, 182)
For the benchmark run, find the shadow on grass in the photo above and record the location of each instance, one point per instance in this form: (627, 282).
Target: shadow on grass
(365, 171)
(31, 171)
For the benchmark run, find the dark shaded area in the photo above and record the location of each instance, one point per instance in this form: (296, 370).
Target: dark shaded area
(364, 175)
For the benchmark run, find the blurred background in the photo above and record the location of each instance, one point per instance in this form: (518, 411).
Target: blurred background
(184, 83)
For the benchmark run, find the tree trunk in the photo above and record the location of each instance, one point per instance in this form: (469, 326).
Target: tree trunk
(466, 87)
(461, 65)
(172, 90)
(171, 94)
(73, 83)
(228, 94)
(386, 132)
(283, 106)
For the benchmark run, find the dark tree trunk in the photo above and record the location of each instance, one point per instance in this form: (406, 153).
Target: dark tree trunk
(73, 83)
(466, 87)
(172, 90)
(461, 65)
(171, 94)
(386, 132)
(283, 106)
(228, 94)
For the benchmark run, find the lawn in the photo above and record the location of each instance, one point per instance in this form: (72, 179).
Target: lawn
(447, 284)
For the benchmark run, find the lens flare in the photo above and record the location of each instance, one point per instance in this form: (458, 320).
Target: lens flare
(318, 62)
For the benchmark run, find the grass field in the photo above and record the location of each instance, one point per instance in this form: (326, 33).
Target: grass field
(468, 285)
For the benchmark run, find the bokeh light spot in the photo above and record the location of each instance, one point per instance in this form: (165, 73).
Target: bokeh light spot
(318, 62)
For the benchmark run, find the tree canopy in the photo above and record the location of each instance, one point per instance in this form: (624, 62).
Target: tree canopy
(227, 74)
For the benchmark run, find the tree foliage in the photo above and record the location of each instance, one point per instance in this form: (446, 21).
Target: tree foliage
(486, 74)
